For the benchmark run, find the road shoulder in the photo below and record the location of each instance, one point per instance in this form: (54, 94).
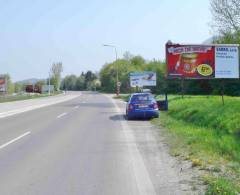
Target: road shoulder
(169, 175)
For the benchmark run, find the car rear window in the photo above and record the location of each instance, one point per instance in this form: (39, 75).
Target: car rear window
(140, 98)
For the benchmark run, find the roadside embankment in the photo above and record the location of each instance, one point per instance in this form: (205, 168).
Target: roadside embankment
(202, 130)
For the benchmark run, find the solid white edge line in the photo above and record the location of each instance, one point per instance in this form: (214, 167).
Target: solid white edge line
(61, 115)
(14, 140)
(143, 181)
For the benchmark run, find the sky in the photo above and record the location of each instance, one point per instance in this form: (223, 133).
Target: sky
(36, 33)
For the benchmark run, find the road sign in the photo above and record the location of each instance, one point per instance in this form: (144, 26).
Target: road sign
(141, 79)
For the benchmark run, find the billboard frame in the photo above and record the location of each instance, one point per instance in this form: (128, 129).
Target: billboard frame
(208, 78)
(169, 43)
(141, 74)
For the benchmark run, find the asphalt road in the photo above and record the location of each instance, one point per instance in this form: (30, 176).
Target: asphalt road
(83, 146)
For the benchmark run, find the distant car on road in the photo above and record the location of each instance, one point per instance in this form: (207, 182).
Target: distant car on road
(141, 105)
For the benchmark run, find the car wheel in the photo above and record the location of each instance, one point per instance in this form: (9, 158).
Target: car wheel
(127, 117)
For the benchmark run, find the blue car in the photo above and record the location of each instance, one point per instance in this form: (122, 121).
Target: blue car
(142, 105)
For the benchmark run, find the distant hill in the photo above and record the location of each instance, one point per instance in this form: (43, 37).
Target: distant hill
(30, 81)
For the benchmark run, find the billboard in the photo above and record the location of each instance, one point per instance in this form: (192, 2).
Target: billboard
(3, 84)
(141, 79)
(202, 61)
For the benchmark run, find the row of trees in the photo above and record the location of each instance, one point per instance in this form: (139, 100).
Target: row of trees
(127, 64)
(130, 63)
(86, 81)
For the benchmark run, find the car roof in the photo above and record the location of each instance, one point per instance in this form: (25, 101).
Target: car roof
(141, 94)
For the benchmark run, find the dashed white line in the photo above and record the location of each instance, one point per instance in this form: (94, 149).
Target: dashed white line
(14, 140)
(76, 107)
(61, 115)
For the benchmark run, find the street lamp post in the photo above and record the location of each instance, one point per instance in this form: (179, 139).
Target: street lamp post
(49, 91)
(117, 79)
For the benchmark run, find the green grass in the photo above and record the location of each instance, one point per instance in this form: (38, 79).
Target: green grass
(220, 186)
(24, 97)
(208, 112)
(202, 130)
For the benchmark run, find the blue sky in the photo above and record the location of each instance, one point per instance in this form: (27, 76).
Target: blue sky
(35, 33)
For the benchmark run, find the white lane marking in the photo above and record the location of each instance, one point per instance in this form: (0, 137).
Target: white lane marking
(61, 115)
(143, 181)
(83, 102)
(29, 108)
(14, 140)
(76, 107)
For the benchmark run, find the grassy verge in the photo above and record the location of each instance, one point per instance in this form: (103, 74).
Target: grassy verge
(11, 98)
(203, 131)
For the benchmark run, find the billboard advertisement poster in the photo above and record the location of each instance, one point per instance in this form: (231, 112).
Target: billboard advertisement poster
(141, 79)
(3, 84)
(202, 61)
(227, 62)
(190, 61)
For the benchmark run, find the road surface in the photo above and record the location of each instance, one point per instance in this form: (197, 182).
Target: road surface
(83, 146)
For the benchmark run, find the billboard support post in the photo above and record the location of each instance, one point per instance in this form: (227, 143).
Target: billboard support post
(182, 87)
(222, 92)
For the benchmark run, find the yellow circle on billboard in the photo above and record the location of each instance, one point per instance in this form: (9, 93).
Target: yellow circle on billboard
(204, 69)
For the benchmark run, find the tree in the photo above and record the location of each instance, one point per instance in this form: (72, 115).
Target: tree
(56, 71)
(89, 78)
(137, 61)
(10, 84)
(69, 82)
(80, 83)
(226, 15)
(18, 87)
(41, 82)
(127, 56)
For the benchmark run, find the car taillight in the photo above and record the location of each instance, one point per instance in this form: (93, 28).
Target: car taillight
(155, 106)
(130, 107)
